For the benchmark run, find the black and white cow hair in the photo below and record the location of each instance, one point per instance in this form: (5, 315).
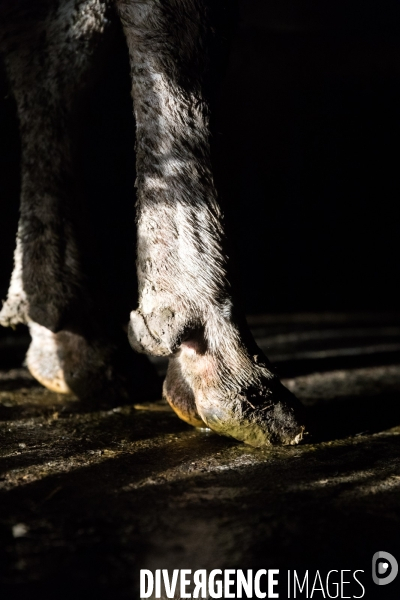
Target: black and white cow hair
(217, 376)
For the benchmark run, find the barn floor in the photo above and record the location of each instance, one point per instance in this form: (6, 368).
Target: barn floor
(86, 499)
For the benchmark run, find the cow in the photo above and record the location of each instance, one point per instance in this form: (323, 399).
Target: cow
(187, 310)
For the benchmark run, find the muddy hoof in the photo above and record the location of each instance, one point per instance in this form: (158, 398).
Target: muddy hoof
(268, 414)
(99, 373)
(263, 415)
(239, 396)
(218, 376)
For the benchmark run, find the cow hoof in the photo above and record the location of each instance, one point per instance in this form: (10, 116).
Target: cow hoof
(259, 416)
(67, 363)
(217, 376)
(249, 404)
(179, 395)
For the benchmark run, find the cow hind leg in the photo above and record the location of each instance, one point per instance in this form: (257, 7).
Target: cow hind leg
(76, 346)
(217, 375)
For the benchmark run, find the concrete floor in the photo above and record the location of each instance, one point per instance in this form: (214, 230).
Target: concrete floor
(87, 499)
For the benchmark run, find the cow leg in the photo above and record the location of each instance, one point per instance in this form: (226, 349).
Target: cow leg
(217, 375)
(50, 52)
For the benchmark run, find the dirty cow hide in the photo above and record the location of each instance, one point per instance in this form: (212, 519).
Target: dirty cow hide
(216, 376)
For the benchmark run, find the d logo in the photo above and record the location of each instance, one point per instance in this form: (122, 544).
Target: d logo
(384, 568)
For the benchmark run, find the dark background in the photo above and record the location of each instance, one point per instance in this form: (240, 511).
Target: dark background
(307, 154)
(307, 157)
